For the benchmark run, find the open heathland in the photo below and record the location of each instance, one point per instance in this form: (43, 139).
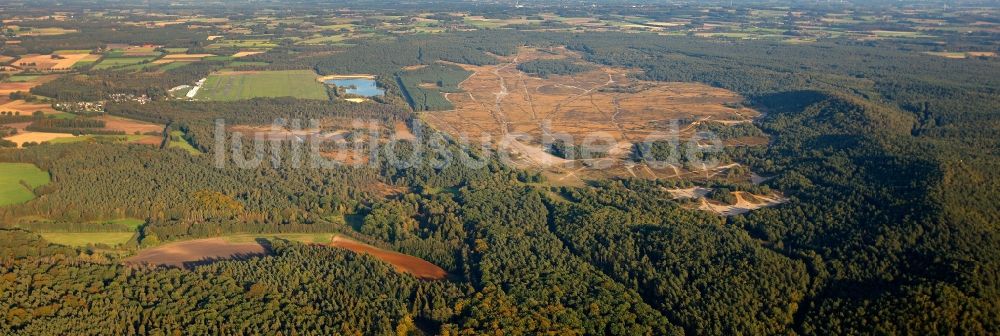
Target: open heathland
(600, 104)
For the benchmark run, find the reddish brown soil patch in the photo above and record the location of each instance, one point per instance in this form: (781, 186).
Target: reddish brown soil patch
(150, 140)
(403, 263)
(190, 253)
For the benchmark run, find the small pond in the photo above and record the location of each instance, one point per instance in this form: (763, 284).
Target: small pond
(360, 86)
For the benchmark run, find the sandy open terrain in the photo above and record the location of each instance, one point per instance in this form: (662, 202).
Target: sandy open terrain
(403, 263)
(187, 253)
(603, 105)
(745, 202)
(689, 193)
(403, 132)
(743, 205)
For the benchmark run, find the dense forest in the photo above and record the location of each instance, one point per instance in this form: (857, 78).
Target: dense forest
(888, 160)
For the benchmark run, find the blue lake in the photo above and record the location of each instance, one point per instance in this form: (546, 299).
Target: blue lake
(359, 86)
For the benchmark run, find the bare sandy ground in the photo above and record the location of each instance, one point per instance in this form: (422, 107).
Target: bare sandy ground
(604, 104)
(745, 202)
(689, 193)
(742, 205)
(402, 263)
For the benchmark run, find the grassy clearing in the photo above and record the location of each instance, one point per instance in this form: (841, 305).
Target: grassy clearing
(17, 180)
(87, 238)
(228, 86)
(177, 141)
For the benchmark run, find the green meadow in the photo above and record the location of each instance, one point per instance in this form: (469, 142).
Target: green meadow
(228, 86)
(18, 180)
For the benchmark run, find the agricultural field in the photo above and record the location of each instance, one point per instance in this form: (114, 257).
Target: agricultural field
(23, 137)
(246, 53)
(105, 138)
(129, 126)
(87, 238)
(164, 66)
(6, 88)
(189, 253)
(22, 78)
(18, 180)
(120, 62)
(237, 85)
(28, 108)
(133, 51)
(48, 31)
(401, 262)
(186, 57)
(53, 62)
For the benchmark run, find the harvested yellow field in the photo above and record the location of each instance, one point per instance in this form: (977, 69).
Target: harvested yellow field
(52, 62)
(27, 108)
(246, 53)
